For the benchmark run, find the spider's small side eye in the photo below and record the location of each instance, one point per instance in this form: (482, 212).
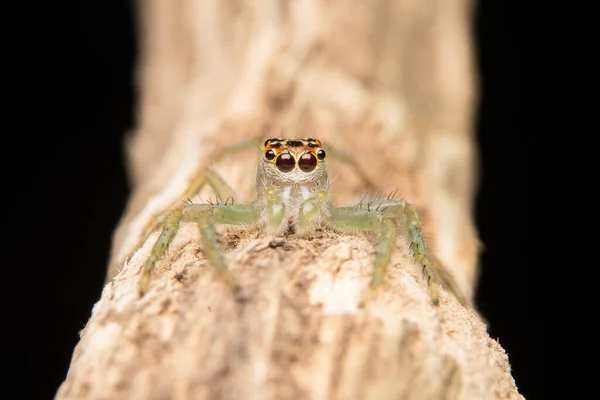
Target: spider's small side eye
(285, 162)
(270, 154)
(307, 162)
(321, 154)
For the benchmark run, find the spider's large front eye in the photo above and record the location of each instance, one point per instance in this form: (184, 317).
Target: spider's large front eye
(269, 155)
(307, 162)
(285, 162)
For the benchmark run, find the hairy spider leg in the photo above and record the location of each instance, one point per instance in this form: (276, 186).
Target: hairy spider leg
(206, 216)
(386, 216)
(171, 226)
(171, 220)
(203, 176)
(406, 216)
(419, 249)
(372, 220)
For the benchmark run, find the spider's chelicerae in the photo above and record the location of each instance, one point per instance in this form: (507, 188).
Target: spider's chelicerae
(292, 190)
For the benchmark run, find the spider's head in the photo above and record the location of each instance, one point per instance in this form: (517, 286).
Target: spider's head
(294, 160)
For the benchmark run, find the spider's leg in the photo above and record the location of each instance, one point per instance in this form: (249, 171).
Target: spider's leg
(169, 217)
(206, 216)
(171, 226)
(206, 177)
(214, 181)
(408, 219)
(373, 220)
(419, 250)
(202, 177)
(387, 216)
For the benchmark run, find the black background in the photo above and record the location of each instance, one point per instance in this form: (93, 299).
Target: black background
(74, 188)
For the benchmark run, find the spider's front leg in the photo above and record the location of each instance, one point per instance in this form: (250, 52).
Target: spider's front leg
(206, 216)
(203, 177)
(388, 216)
(372, 220)
(209, 215)
(172, 217)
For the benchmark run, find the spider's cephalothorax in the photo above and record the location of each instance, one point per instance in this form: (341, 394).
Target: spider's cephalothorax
(291, 183)
(292, 196)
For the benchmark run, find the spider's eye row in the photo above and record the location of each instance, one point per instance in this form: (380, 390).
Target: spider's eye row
(285, 162)
(321, 154)
(270, 154)
(307, 162)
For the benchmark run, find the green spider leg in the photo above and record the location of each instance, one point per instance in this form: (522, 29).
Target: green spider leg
(388, 217)
(206, 216)
(203, 176)
(357, 218)
(206, 177)
(433, 270)
(172, 219)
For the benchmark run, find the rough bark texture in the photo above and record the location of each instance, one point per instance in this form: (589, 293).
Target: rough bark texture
(389, 81)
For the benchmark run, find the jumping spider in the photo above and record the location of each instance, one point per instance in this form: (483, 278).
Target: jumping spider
(293, 196)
